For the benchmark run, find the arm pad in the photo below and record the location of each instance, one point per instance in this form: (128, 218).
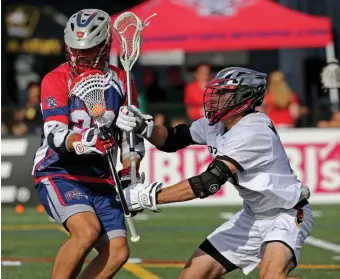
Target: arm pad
(57, 134)
(210, 181)
(178, 138)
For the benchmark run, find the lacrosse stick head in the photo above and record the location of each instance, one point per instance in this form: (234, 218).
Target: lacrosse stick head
(330, 75)
(128, 28)
(89, 87)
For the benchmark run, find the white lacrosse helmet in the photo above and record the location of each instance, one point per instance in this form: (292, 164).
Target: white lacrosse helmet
(88, 40)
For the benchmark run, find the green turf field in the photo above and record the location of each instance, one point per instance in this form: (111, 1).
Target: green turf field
(167, 239)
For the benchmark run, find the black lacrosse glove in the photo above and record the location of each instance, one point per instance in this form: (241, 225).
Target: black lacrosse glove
(106, 139)
(125, 177)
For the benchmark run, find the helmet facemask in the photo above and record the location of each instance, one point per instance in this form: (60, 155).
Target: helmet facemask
(224, 98)
(81, 60)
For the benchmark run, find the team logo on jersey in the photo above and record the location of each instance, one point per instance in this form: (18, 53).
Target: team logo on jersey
(217, 7)
(75, 194)
(51, 102)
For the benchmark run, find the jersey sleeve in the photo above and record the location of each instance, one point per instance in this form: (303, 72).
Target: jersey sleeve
(246, 150)
(54, 99)
(198, 131)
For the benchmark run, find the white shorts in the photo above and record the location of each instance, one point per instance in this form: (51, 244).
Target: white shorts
(242, 239)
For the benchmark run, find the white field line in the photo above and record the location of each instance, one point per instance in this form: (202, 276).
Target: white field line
(11, 263)
(317, 213)
(226, 215)
(316, 242)
(142, 217)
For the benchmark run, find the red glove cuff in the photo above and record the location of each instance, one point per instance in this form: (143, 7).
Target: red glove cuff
(126, 172)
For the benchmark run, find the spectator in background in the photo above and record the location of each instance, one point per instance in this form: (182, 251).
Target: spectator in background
(33, 94)
(18, 126)
(155, 95)
(28, 118)
(175, 95)
(4, 129)
(33, 116)
(194, 92)
(6, 119)
(281, 104)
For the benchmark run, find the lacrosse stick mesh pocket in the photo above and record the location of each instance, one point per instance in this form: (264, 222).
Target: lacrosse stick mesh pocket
(90, 89)
(128, 28)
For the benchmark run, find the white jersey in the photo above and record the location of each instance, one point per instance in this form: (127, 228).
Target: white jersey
(264, 179)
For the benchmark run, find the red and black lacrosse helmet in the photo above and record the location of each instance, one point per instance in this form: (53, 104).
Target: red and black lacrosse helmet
(232, 91)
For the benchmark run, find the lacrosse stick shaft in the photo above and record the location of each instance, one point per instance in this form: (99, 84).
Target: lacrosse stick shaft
(90, 88)
(134, 236)
(133, 166)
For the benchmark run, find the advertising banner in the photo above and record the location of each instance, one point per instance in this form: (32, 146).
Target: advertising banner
(16, 166)
(314, 155)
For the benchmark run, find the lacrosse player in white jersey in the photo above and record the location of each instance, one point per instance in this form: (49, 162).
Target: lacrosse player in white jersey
(247, 151)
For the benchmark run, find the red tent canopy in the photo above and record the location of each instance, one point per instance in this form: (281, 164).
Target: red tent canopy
(250, 24)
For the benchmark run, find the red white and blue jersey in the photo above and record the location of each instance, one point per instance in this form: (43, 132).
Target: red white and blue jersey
(58, 108)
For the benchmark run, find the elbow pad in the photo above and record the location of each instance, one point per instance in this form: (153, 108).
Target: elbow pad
(57, 137)
(178, 138)
(210, 181)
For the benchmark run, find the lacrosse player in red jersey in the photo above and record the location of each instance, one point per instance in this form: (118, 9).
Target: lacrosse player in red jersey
(72, 174)
(247, 152)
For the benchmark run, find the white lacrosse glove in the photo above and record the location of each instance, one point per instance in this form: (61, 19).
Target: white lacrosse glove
(93, 141)
(131, 118)
(140, 196)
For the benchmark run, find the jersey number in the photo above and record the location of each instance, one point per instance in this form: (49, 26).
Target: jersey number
(212, 150)
(80, 120)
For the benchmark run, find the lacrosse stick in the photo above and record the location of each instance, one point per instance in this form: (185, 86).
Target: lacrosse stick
(128, 28)
(330, 75)
(89, 87)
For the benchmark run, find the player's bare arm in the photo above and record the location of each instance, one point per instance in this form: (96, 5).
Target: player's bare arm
(70, 140)
(195, 187)
(200, 186)
(158, 136)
